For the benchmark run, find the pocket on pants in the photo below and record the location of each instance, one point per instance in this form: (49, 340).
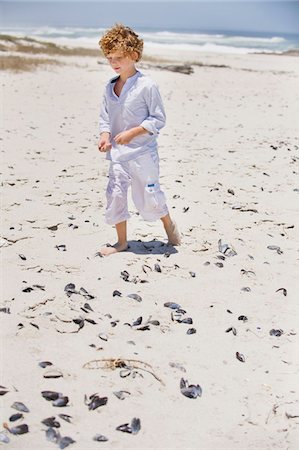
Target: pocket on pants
(153, 197)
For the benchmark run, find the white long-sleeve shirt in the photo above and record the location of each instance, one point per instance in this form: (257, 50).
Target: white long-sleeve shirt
(139, 104)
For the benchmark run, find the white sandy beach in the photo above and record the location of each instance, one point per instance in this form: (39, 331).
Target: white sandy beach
(229, 168)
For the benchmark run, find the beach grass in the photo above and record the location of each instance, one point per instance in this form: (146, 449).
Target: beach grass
(16, 63)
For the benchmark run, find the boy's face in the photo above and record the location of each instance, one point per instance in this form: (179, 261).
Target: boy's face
(121, 63)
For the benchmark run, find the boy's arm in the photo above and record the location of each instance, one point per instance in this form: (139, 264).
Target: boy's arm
(104, 122)
(156, 118)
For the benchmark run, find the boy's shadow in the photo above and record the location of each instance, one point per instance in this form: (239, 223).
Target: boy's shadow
(153, 247)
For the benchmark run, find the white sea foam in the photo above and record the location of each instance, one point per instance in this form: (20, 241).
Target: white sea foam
(163, 40)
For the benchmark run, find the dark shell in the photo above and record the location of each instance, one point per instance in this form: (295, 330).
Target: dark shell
(137, 322)
(276, 333)
(19, 429)
(52, 435)
(135, 297)
(243, 318)
(240, 357)
(15, 417)
(44, 364)
(172, 305)
(116, 293)
(61, 401)
(187, 320)
(133, 428)
(51, 395)
(65, 442)
(191, 331)
(157, 268)
(51, 422)
(234, 331)
(190, 391)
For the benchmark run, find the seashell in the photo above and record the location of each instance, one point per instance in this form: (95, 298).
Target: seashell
(44, 364)
(172, 305)
(125, 275)
(187, 320)
(240, 357)
(137, 322)
(23, 257)
(191, 331)
(133, 428)
(284, 291)
(3, 390)
(190, 391)
(100, 438)
(53, 373)
(70, 289)
(51, 422)
(157, 268)
(192, 274)
(65, 442)
(246, 289)
(4, 438)
(243, 318)
(276, 333)
(96, 402)
(65, 417)
(19, 429)
(15, 417)
(52, 435)
(116, 293)
(121, 395)
(125, 373)
(19, 406)
(51, 395)
(231, 329)
(135, 297)
(61, 401)
(103, 336)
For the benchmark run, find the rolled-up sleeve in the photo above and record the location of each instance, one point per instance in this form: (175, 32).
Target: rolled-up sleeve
(156, 118)
(104, 123)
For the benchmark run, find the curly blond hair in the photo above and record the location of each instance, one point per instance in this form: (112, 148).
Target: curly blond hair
(121, 38)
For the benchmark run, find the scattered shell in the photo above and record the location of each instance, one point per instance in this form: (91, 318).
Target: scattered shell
(65, 442)
(116, 293)
(3, 390)
(4, 438)
(15, 417)
(276, 333)
(135, 297)
(19, 429)
(70, 289)
(23, 257)
(100, 438)
(275, 247)
(53, 373)
(125, 275)
(192, 274)
(234, 331)
(61, 401)
(19, 406)
(95, 401)
(284, 291)
(51, 422)
(243, 318)
(103, 336)
(44, 364)
(65, 417)
(177, 366)
(134, 428)
(219, 264)
(51, 395)
(52, 435)
(187, 320)
(172, 305)
(121, 395)
(191, 331)
(240, 357)
(246, 289)
(190, 391)
(157, 268)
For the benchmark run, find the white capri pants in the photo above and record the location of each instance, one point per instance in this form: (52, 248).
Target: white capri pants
(138, 173)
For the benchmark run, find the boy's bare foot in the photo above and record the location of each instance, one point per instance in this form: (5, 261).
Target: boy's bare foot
(174, 237)
(110, 250)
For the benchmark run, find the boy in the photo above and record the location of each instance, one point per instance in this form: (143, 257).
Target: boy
(131, 116)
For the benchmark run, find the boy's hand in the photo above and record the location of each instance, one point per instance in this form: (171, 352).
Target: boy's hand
(104, 143)
(124, 137)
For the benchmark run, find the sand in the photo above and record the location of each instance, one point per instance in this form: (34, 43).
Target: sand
(229, 168)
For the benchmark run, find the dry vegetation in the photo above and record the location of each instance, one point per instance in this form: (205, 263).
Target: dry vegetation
(20, 64)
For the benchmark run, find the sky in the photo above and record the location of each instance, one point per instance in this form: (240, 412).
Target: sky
(268, 16)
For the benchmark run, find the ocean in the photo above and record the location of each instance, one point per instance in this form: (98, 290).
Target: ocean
(222, 27)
